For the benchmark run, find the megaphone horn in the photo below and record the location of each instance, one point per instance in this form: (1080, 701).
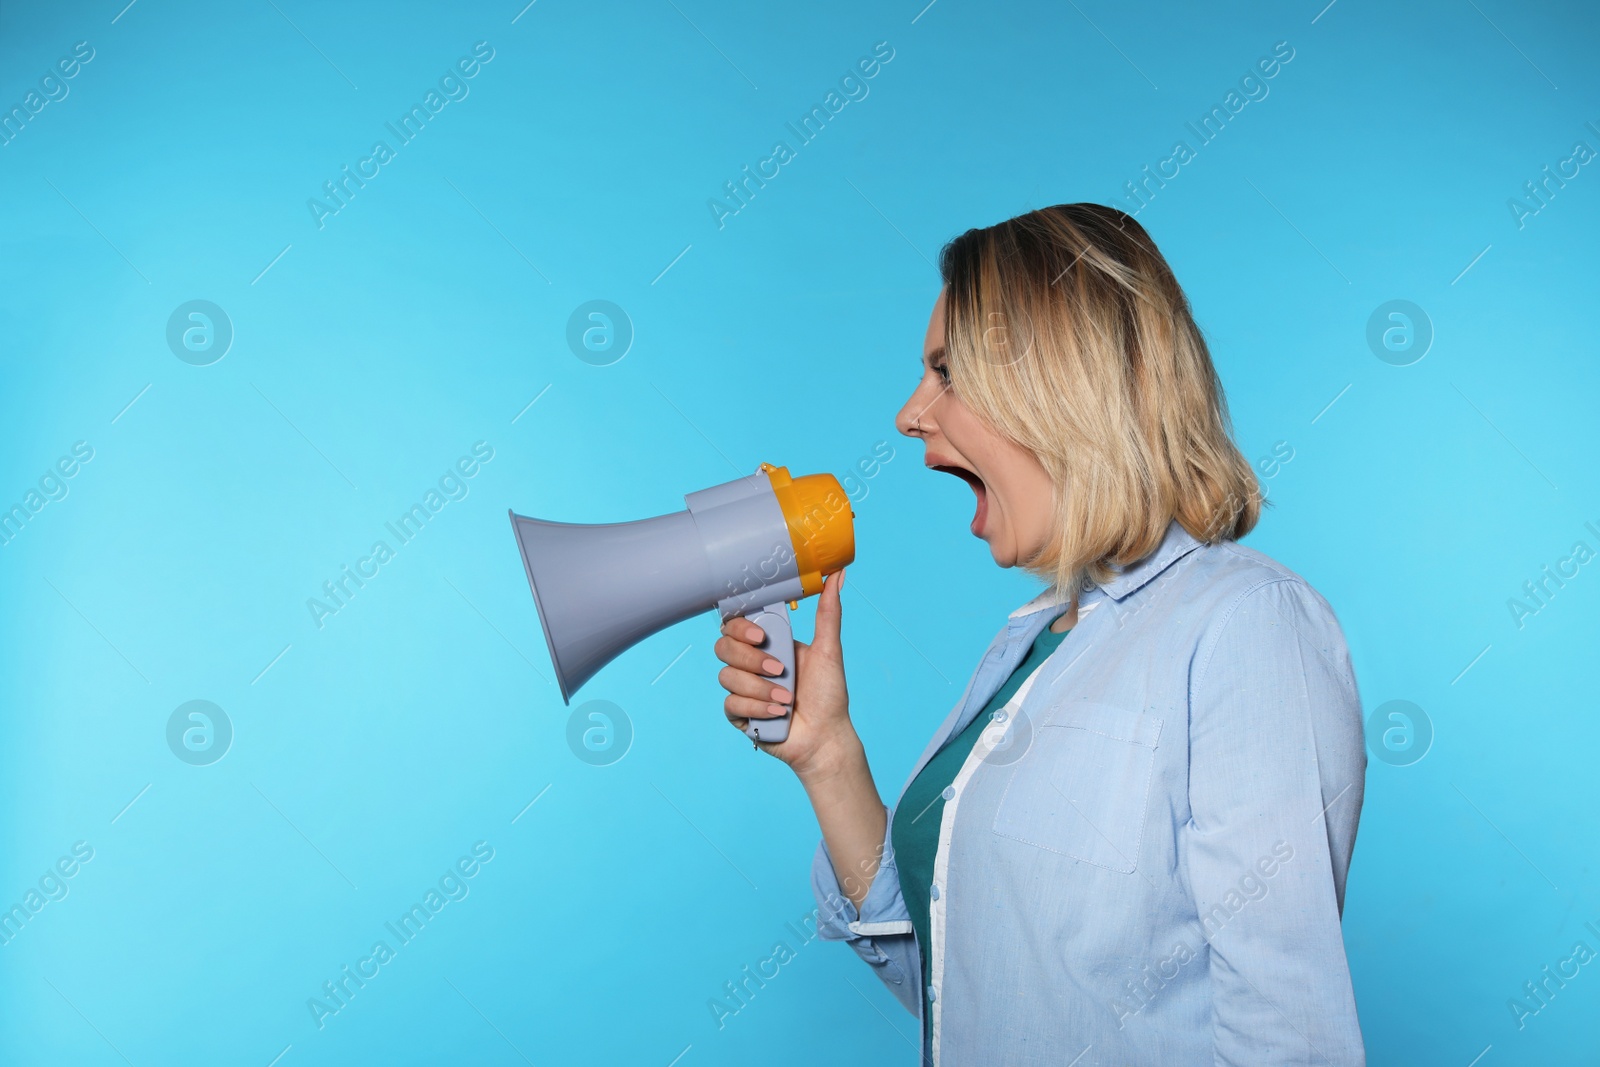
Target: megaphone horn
(744, 547)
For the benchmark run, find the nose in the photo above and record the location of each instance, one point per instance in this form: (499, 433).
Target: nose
(915, 419)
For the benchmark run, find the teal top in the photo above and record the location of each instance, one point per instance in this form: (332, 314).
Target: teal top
(915, 832)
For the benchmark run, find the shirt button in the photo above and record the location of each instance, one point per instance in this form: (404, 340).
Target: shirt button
(1001, 716)
(933, 891)
(949, 792)
(932, 996)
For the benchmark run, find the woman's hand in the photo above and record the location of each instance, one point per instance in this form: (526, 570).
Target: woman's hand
(820, 732)
(823, 749)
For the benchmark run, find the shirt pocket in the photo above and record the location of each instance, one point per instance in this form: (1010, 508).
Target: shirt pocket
(1083, 788)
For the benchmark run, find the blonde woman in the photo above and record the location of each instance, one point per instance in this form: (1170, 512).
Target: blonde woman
(1128, 842)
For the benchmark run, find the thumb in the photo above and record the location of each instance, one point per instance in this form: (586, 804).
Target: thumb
(826, 635)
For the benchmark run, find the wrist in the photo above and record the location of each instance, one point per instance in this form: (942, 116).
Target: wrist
(840, 757)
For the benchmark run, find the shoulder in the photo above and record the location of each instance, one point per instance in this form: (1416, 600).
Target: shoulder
(1231, 574)
(1256, 604)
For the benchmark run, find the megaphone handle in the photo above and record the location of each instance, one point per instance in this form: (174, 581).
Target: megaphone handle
(774, 620)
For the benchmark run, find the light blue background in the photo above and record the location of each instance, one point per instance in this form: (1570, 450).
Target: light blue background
(431, 310)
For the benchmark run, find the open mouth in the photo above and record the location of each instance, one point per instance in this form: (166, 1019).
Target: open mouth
(978, 488)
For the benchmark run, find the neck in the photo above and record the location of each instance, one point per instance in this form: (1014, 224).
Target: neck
(1067, 621)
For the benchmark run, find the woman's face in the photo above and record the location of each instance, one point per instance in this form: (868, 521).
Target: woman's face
(1015, 508)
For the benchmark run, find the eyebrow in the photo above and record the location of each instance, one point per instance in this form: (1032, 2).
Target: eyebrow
(928, 358)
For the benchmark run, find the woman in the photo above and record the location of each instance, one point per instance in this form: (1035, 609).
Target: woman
(1127, 844)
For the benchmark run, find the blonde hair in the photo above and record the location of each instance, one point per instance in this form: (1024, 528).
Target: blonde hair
(1066, 332)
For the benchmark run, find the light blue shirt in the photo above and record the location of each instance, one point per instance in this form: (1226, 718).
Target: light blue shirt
(1149, 866)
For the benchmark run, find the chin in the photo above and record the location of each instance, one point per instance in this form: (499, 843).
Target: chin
(1003, 558)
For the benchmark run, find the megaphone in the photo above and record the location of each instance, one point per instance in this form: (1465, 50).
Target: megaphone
(744, 547)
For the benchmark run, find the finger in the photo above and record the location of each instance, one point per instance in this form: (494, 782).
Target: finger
(745, 684)
(829, 612)
(740, 725)
(742, 629)
(746, 708)
(737, 654)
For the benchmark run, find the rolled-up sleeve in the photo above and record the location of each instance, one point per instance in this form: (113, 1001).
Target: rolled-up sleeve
(880, 930)
(1276, 773)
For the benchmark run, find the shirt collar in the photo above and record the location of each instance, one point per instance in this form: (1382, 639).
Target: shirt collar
(1176, 544)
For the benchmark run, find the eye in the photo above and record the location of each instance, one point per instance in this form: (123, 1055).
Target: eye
(943, 371)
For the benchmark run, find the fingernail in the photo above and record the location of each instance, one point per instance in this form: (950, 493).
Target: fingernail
(777, 709)
(772, 666)
(780, 694)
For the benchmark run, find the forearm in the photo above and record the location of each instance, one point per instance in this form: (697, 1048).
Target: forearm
(851, 815)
